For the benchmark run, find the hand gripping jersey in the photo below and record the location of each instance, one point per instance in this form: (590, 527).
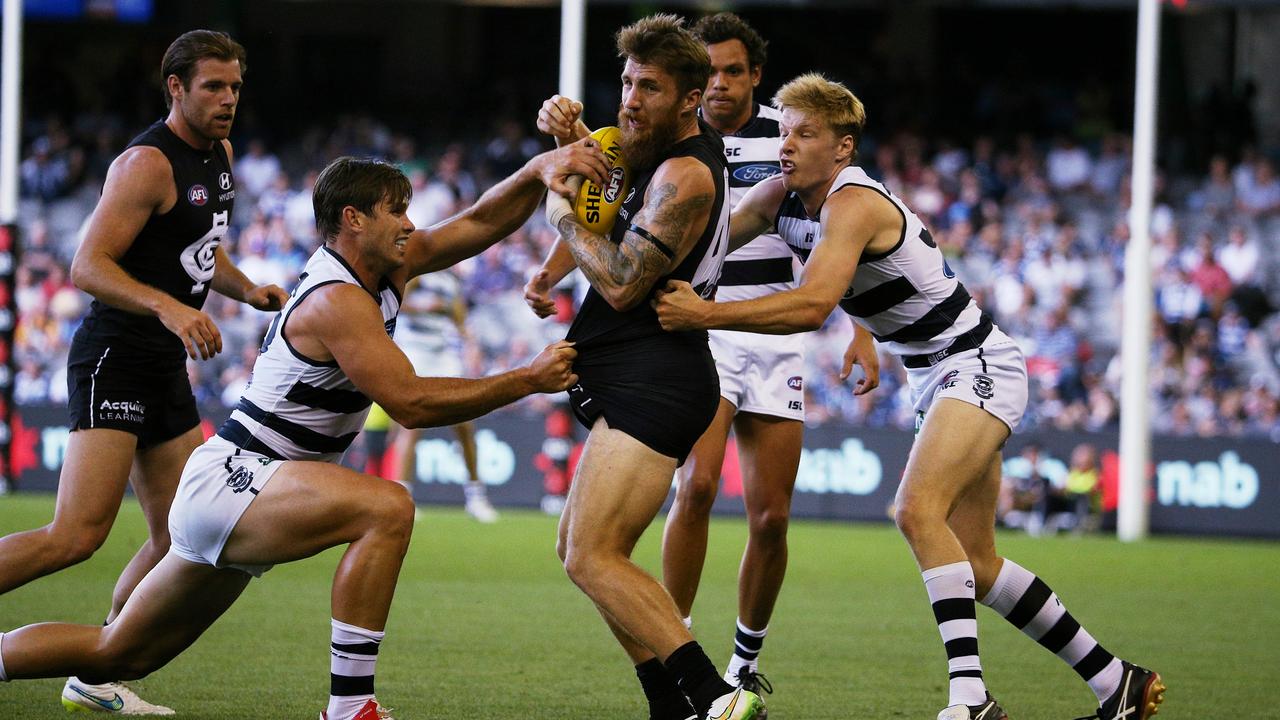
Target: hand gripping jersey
(297, 408)
(173, 252)
(907, 297)
(597, 323)
(765, 265)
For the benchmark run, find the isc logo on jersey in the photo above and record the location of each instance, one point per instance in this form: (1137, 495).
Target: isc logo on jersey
(597, 207)
(198, 195)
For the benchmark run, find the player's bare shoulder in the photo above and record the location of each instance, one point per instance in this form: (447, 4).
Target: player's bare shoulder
(681, 190)
(145, 174)
(865, 212)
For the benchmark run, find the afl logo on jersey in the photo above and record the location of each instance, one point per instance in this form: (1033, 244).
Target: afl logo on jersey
(755, 172)
(224, 181)
(795, 382)
(198, 195)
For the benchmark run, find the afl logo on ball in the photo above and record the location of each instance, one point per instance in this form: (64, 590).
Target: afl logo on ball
(198, 195)
(616, 178)
(795, 382)
(224, 181)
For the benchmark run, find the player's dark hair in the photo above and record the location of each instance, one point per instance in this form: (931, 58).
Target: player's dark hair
(361, 183)
(726, 26)
(192, 47)
(663, 40)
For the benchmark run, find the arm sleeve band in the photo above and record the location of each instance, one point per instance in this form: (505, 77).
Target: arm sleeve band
(651, 238)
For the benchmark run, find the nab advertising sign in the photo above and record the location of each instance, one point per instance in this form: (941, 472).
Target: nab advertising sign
(1205, 487)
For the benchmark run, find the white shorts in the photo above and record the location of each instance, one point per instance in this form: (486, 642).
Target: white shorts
(993, 377)
(218, 483)
(761, 374)
(433, 362)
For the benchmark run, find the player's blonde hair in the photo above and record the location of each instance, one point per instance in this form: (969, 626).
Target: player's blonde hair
(837, 106)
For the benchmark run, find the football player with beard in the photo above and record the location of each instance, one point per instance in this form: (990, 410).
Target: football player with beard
(646, 395)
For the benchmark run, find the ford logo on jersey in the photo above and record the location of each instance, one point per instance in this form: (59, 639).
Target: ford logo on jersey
(198, 195)
(755, 172)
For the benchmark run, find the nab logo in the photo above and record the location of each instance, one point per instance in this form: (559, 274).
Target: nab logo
(795, 382)
(949, 380)
(198, 195)
(224, 181)
(755, 172)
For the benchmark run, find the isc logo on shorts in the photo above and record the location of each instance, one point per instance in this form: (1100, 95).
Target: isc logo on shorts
(198, 195)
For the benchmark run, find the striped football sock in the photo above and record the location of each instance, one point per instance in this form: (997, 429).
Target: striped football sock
(1032, 607)
(951, 591)
(353, 655)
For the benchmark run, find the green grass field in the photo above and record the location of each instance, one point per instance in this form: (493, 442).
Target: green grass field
(485, 625)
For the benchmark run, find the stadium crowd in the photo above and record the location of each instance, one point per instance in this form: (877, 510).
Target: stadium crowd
(1036, 229)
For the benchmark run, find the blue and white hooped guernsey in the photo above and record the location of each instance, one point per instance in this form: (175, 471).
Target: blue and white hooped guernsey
(907, 297)
(297, 408)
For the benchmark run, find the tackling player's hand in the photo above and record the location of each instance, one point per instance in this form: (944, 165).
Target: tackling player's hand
(552, 369)
(537, 294)
(862, 351)
(584, 158)
(679, 307)
(194, 328)
(557, 117)
(268, 298)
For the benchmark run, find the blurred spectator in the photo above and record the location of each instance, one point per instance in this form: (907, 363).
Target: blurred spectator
(1261, 197)
(1083, 488)
(256, 169)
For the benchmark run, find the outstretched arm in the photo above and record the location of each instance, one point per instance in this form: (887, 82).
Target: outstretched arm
(342, 323)
(850, 220)
(754, 214)
(503, 207)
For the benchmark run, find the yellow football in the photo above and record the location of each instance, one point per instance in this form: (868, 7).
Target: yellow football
(597, 207)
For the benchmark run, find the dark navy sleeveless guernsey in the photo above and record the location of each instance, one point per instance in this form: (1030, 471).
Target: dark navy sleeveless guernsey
(174, 251)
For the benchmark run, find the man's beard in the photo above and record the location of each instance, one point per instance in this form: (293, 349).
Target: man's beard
(643, 148)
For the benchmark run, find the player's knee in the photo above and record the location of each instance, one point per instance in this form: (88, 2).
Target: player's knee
(581, 565)
(69, 547)
(909, 519)
(118, 659)
(770, 525)
(696, 492)
(394, 515)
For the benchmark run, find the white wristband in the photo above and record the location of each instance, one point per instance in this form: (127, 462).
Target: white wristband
(557, 208)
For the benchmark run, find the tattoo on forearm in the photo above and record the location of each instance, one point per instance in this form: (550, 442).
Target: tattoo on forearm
(636, 259)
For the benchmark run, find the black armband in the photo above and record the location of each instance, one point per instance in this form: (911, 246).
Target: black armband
(662, 247)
